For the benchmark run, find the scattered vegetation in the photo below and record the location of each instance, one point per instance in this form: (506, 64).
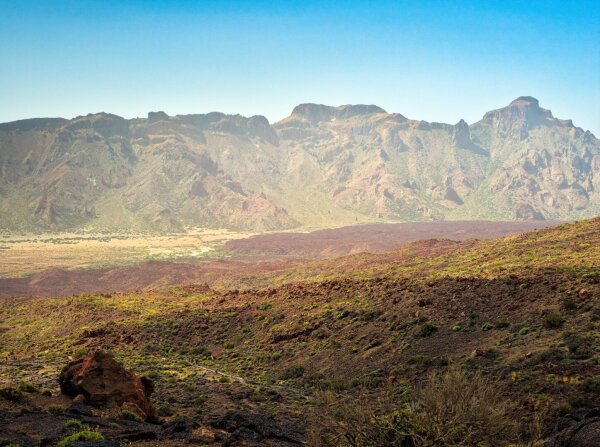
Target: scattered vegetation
(354, 334)
(293, 372)
(85, 435)
(450, 409)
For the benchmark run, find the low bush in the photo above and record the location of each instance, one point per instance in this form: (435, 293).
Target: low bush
(131, 416)
(55, 409)
(450, 409)
(200, 351)
(501, 323)
(293, 372)
(551, 355)
(580, 347)
(592, 385)
(568, 305)
(27, 387)
(487, 326)
(12, 394)
(85, 435)
(74, 424)
(426, 329)
(553, 321)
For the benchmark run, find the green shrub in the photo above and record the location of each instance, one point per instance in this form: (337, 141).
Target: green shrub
(85, 435)
(335, 384)
(131, 416)
(27, 387)
(368, 381)
(426, 329)
(456, 328)
(524, 331)
(553, 321)
(592, 384)
(420, 359)
(12, 394)
(55, 409)
(74, 423)
(165, 410)
(501, 323)
(580, 347)
(553, 355)
(569, 305)
(293, 372)
(79, 353)
(200, 351)
(487, 326)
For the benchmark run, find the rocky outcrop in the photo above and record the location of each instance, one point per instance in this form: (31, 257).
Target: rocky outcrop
(578, 430)
(101, 381)
(519, 117)
(154, 117)
(245, 426)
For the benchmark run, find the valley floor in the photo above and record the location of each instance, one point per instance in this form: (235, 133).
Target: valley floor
(523, 311)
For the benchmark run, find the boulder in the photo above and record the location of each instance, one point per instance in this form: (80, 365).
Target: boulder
(243, 425)
(578, 430)
(101, 380)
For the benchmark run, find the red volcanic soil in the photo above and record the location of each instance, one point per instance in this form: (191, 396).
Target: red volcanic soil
(144, 276)
(255, 255)
(374, 238)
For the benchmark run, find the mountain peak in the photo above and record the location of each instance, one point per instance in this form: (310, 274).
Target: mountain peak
(519, 117)
(319, 112)
(525, 101)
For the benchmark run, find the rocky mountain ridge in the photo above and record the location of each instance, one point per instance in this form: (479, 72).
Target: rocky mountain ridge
(321, 166)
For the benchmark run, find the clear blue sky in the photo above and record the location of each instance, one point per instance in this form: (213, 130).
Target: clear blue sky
(432, 60)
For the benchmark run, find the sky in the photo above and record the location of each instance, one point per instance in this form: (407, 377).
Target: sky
(432, 60)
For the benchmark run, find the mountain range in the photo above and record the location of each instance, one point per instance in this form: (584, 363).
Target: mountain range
(321, 166)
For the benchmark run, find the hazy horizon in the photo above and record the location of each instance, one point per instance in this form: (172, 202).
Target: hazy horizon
(433, 62)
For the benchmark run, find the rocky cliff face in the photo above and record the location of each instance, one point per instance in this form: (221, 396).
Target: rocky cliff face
(320, 166)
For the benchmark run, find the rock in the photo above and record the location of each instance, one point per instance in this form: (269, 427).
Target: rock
(255, 427)
(178, 428)
(79, 408)
(577, 431)
(461, 136)
(585, 293)
(101, 380)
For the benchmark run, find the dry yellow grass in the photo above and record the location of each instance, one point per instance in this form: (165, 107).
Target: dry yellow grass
(21, 255)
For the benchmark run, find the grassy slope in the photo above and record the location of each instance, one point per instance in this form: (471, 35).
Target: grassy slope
(356, 321)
